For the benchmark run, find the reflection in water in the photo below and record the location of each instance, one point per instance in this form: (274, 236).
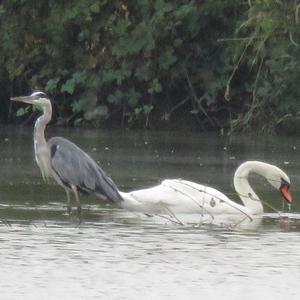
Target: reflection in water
(115, 254)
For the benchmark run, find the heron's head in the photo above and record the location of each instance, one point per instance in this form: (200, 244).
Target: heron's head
(38, 98)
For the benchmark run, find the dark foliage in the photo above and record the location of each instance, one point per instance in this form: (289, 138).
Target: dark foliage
(212, 64)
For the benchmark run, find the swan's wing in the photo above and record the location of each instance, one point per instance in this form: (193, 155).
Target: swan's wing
(212, 200)
(152, 200)
(176, 195)
(181, 196)
(200, 195)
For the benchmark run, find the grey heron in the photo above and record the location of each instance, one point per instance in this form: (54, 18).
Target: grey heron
(71, 167)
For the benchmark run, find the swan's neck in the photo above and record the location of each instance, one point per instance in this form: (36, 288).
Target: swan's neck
(243, 188)
(42, 153)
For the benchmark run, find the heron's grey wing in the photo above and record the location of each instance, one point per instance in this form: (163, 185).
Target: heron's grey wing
(74, 167)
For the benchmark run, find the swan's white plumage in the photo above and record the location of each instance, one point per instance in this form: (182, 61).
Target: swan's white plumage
(182, 196)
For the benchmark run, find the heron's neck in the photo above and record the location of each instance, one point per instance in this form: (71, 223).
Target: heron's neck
(243, 188)
(40, 125)
(42, 152)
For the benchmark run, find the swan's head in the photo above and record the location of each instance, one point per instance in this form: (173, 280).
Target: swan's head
(38, 98)
(280, 181)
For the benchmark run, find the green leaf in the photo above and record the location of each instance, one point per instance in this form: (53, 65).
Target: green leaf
(167, 59)
(76, 106)
(143, 72)
(51, 84)
(155, 87)
(177, 42)
(2, 10)
(147, 108)
(133, 97)
(95, 8)
(115, 98)
(68, 86)
(138, 110)
(79, 77)
(22, 111)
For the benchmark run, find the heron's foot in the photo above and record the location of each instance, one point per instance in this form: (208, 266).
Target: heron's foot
(79, 209)
(69, 209)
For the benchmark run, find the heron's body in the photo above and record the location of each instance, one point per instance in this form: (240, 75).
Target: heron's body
(71, 167)
(79, 170)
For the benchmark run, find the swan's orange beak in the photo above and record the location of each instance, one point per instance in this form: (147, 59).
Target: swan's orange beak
(284, 190)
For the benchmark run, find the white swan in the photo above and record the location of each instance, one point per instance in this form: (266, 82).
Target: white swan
(174, 196)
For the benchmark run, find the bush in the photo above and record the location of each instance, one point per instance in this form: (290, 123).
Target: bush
(129, 63)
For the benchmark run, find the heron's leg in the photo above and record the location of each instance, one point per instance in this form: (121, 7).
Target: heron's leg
(69, 208)
(74, 189)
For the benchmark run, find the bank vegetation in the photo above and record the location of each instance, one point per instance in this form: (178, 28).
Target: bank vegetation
(207, 64)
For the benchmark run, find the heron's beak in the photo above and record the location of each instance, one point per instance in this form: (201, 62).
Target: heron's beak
(24, 99)
(284, 189)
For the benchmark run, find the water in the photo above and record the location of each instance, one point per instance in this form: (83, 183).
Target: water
(114, 254)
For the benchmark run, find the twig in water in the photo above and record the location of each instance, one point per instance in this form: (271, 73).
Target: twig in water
(172, 214)
(171, 220)
(190, 197)
(238, 223)
(6, 222)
